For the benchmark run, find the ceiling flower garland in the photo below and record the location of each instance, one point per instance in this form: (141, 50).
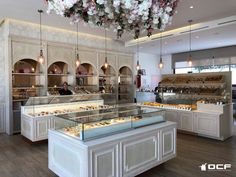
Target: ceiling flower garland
(121, 15)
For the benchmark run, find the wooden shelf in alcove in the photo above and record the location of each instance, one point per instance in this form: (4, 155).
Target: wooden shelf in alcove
(107, 75)
(125, 76)
(86, 76)
(30, 87)
(28, 74)
(59, 74)
(19, 100)
(86, 85)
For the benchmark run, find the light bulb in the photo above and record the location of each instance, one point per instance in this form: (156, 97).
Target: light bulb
(77, 62)
(106, 65)
(41, 59)
(190, 63)
(161, 65)
(32, 69)
(138, 67)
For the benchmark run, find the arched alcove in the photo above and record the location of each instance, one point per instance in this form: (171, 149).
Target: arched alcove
(86, 78)
(57, 74)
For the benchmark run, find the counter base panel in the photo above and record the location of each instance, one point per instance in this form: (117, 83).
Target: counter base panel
(122, 155)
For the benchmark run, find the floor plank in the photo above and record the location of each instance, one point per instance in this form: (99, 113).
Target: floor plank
(20, 158)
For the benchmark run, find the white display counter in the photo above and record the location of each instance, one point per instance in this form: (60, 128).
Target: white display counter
(125, 154)
(209, 120)
(38, 116)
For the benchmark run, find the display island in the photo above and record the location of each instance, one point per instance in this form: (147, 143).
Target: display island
(122, 141)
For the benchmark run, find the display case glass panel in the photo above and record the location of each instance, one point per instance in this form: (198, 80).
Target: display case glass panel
(101, 123)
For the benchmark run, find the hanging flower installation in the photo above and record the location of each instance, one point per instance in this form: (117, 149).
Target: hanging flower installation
(121, 15)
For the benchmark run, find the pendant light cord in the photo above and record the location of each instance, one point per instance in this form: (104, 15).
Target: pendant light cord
(77, 37)
(161, 47)
(40, 28)
(190, 36)
(138, 51)
(105, 45)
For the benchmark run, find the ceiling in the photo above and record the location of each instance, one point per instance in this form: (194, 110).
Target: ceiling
(202, 11)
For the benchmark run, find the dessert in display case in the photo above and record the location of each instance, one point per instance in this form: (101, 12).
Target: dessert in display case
(125, 140)
(38, 114)
(188, 89)
(199, 103)
(102, 123)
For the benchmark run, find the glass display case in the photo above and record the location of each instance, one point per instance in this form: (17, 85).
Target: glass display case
(184, 91)
(97, 124)
(38, 114)
(61, 104)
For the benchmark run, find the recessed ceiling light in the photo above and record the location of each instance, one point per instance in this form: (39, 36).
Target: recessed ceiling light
(191, 7)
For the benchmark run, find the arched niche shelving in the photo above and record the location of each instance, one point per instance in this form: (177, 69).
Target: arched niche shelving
(107, 80)
(58, 73)
(86, 79)
(26, 82)
(125, 85)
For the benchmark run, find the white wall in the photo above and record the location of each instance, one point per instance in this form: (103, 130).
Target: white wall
(167, 65)
(150, 62)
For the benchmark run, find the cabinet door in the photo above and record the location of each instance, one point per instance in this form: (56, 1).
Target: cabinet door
(173, 116)
(168, 141)
(207, 124)
(186, 121)
(139, 152)
(105, 162)
(2, 122)
(41, 128)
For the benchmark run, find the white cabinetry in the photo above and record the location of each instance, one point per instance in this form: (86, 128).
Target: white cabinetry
(183, 119)
(2, 117)
(122, 155)
(186, 121)
(213, 121)
(207, 124)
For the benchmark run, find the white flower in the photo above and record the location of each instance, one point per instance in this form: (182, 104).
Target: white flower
(100, 2)
(168, 9)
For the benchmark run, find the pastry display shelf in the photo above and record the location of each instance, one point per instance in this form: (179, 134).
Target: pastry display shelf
(28, 74)
(124, 154)
(68, 74)
(85, 75)
(28, 87)
(196, 96)
(193, 85)
(209, 120)
(103, 123)
(35, 128)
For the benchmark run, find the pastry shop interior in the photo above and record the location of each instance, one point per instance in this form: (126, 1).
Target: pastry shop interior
(101, 88)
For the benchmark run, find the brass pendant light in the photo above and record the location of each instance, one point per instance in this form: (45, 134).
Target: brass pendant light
(77, 45)
(161, 65)
(138, 67)
(40, 57)
(106, 62)
(190, 62)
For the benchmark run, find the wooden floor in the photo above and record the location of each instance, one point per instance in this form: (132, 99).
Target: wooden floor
(19, 158)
